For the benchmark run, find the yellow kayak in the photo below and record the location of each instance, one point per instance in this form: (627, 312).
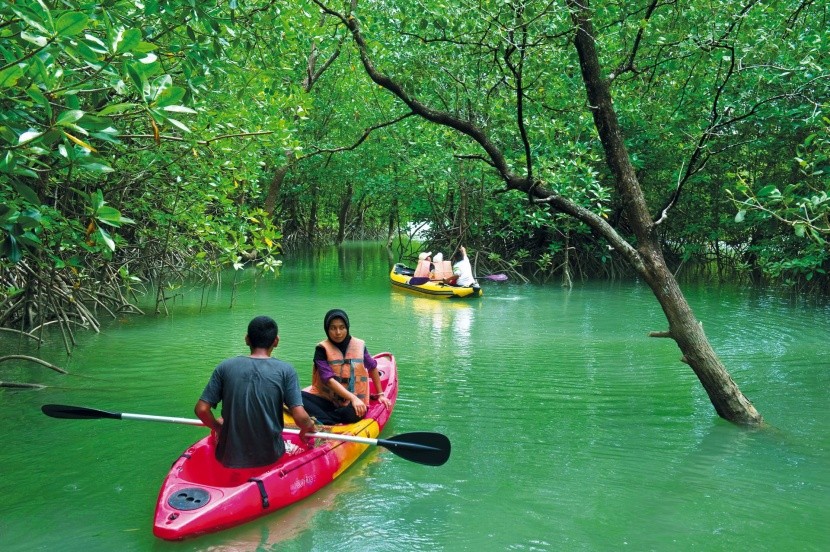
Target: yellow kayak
(402, 277)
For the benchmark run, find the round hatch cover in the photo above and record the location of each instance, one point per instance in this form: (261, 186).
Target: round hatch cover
(189, 499)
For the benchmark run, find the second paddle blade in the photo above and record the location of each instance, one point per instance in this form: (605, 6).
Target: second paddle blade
(423, 447)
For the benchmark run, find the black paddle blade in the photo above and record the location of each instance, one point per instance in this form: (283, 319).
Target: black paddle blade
(423, 447)
(76, 412)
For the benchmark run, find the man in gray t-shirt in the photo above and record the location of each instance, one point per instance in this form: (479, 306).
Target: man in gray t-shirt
(253, 390)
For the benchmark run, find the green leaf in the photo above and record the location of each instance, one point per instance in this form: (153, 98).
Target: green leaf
(116, 108)
(112, 216)
(127, 41)
(95, 44)
(77, 128)
(768, 190)
(179, 109)
(107, 239)
(71, 23)
(31, 18)
(10, 75)
(144, 47)
(24, 171)
(28, 238)
(138, 81)
(68, 117)
(169, 96)
(35, 93)
(38, 40)
(26, 193)
(97, 167)
(10, 249)
(96, 200)
(108, 215)
(160, 89)
(739, 216)
(82, 50)
(29, 218)
(179, 124)
(28, 136)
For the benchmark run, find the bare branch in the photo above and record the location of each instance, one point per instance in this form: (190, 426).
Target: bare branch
(418, 108)
(628, 65)
(517, 71)
(359, 141)
(477, 157)
(200, 142)
(27, 334)
(34, 359)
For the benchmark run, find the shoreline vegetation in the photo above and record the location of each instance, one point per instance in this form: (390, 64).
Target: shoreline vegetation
(31, 299)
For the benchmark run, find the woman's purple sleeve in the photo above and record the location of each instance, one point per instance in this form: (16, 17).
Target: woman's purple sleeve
(324, 369)
(369, 361)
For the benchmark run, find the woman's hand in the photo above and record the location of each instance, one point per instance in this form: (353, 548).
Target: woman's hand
(358, 405)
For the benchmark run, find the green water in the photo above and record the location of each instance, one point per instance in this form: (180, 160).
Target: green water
(571, 429)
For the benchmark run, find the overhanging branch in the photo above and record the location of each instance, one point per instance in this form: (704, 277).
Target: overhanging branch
(360, 140)
(439, 117)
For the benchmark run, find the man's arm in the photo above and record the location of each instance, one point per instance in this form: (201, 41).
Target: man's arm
(204, 412)
(302, 419)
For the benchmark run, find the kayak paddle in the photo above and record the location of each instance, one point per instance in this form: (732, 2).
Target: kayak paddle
(422, 447)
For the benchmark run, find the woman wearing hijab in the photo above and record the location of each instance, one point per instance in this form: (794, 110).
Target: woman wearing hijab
(340, 377)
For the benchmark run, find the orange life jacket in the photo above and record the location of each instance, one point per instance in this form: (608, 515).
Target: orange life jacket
(348, 370)
(423, 269)
(442, 270)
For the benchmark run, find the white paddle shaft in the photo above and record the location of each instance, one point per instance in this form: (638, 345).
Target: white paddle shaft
(197, 422)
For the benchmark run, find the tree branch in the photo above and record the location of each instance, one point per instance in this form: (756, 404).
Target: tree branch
(517, 71)
(628, 65)
(200, 142)
(359, 141)
(34, 359)
(438, 117)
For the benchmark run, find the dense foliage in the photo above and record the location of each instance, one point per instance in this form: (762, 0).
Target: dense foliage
(717, 102)
(128, 156)
(147, 143)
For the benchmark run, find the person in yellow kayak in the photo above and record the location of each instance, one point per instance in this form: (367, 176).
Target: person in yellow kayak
(340, 375)
(462, 270)
(253, 390)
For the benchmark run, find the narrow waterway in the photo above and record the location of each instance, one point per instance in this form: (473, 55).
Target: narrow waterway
(571, 429)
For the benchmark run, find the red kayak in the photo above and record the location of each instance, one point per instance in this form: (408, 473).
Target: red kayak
(200, 495)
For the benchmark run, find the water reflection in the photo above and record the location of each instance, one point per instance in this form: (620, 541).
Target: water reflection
(446, 323)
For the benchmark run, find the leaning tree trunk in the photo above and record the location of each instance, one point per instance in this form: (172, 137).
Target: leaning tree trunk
(688, 333)
(684, 328)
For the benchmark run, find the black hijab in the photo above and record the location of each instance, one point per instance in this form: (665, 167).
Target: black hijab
(341, 314)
